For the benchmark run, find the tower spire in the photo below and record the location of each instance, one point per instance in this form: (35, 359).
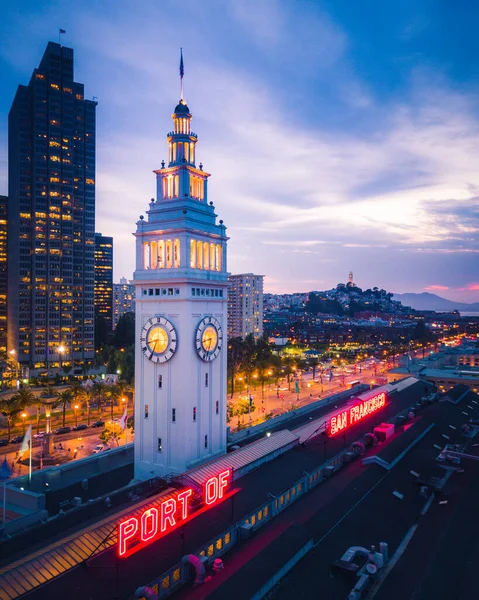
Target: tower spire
(182, 72)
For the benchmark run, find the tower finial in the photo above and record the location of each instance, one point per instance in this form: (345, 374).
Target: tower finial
(182, 72)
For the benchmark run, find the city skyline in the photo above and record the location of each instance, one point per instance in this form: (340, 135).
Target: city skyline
(351, 136)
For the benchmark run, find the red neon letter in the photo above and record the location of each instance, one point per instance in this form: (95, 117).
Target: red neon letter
(126, 531)
(223, 482)
(149, 524)
(168, 509)
(183, 498)
(211, 490)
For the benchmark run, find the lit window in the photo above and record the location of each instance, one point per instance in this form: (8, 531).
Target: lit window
(177, 253)
(146, 411)
(194, 413)
(193, 254)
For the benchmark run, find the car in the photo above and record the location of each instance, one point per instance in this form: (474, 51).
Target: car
(4, 442)
(63, 430)
(99, 448)
(98, 424)
(38, 436)
(80, 427)
(17, 439)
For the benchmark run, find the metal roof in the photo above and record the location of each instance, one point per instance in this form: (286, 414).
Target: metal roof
(251, 453)
(31, 571)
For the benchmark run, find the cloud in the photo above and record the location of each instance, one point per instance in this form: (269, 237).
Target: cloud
(436, 288)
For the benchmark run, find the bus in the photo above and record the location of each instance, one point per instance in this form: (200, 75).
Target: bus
(351, 384)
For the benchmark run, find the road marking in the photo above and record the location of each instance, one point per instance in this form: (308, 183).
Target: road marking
(398, 495)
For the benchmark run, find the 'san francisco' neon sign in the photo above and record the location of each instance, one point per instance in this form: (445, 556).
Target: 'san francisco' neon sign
(154, 522)
(349, 416)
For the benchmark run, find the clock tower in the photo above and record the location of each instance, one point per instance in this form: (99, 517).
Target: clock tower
(181, 308)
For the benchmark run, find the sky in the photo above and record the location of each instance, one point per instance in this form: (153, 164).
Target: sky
(341, 136)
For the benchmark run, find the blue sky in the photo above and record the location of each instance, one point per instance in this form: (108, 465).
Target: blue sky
(340, 135)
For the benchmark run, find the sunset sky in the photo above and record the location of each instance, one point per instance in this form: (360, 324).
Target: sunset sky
(341, 135)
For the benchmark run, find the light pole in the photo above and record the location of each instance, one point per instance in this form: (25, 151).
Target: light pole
(12, 354)
(24, 416)
(76, 415)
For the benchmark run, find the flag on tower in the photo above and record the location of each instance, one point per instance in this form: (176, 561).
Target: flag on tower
(61, 31)
(182, 67)
(123, 420)
(27, 441)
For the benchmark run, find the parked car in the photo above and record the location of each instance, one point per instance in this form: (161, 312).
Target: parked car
(17, 439)
(63, 430)
(80, 427)
(38, 436)
(98, 449)
(3, 442)
(98, 424)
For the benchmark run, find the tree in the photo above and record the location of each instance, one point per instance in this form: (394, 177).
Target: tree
(63, 398)
(79, 394)
(235, 358)
(102, 331)
(98, 392)
(10, 408)
(113, 392)
(112, 432)
(125, 331)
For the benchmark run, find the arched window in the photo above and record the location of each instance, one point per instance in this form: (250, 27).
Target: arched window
(200, 254)
(212, 257)
(177, 253)
(193, 254)
(154, 255)
(161, 255)
(201, 188)
(180, 151)
(206, 259)
(169, 258)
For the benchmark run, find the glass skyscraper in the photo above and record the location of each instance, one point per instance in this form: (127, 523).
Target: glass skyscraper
(51, 214)
(104, 278)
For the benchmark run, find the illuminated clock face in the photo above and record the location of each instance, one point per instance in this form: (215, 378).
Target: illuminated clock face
(208, 338)
(159, 339)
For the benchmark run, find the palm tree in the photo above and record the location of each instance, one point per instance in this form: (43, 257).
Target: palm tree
(235, 357)
(98, 391)
(64, 397)
(113, 392)
(85, 395)
(10, 408)
(48, 398)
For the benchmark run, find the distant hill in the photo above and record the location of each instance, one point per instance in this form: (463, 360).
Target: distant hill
(427, 301)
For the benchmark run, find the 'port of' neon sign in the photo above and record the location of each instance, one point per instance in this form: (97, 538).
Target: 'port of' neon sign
(154, 522)
(353, 414)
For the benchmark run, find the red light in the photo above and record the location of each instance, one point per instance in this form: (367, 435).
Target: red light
(215, 486)
(157, 521)
(349, 416)
(126, 530)
(168, 509)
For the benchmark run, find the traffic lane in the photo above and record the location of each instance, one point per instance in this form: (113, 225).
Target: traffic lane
(60, 437)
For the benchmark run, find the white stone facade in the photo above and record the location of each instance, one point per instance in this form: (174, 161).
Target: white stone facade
(181, 276)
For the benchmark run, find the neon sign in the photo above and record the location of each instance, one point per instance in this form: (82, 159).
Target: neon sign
(352, 415)
(154, 522)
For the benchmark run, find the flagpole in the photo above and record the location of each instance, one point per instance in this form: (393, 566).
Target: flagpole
(30, 463)
(181, 73)
(4, 505)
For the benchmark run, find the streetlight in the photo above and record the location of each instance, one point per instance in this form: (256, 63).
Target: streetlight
(12, 353)
(24, 416)
(76, 415)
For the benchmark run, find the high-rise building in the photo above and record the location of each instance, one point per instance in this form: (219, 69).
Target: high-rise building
(245, 305)
(104, 278)
(123, 299)
(180, 316)
(51, 217)
(3, 274)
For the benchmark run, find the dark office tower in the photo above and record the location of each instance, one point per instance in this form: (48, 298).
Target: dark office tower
(3, 275)
(51, 214)
(104, 278)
